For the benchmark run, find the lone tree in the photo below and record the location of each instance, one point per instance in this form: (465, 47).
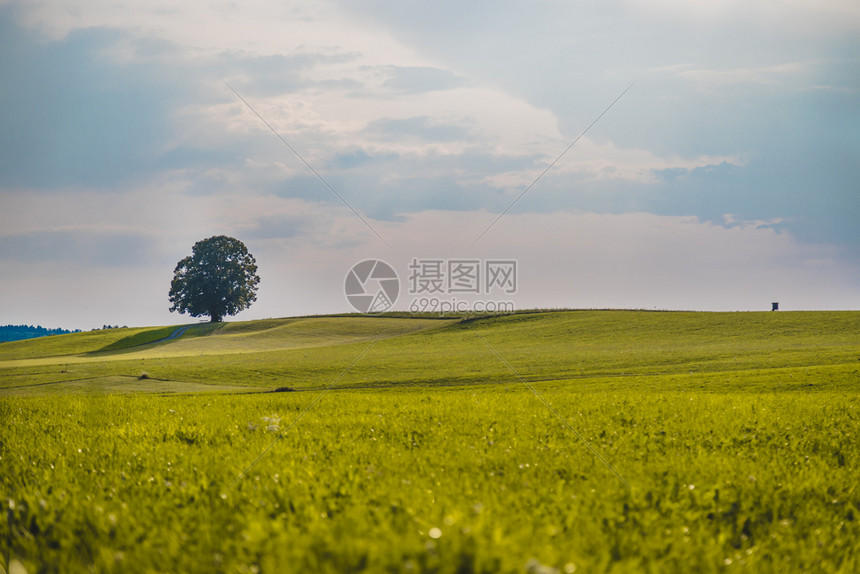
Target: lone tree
(218, 279)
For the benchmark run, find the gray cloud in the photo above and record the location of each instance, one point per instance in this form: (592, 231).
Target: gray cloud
(423, 128)
(102, 248)
(70, 116)
(796, 125)
(279, 227)
(76, 114)
(420, 79)
(281, 74)
(359, 157)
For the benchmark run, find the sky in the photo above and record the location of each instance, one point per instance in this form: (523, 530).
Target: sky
(726, 178)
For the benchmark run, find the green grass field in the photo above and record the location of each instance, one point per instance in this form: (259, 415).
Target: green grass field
(608, 441)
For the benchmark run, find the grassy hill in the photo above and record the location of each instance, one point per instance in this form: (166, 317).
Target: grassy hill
(578, 347)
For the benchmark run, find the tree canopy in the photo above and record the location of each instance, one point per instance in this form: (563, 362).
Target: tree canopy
(219, 278)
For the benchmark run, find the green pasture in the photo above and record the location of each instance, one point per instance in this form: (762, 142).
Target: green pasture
(769, 350)
(578, 441)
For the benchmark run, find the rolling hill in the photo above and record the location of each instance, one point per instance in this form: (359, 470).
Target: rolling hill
(581, 347)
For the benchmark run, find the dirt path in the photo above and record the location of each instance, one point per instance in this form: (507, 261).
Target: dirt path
(174, 335)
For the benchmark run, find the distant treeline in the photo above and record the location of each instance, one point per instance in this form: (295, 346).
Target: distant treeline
(18, 332)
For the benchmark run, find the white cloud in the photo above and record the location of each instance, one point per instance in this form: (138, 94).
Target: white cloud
(793, 72)
(495, 122)
(607, 161)
(261, 27)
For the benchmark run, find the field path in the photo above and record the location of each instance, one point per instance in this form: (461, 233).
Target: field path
(174, 335)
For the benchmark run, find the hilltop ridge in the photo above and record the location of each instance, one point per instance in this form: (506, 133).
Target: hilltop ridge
(569, 347)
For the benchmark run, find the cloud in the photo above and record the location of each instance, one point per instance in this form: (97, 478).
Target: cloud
(358, 157)
(420, 128)
(84, 246)
(590, 161)
(278, 74)
(772, 74)
(283, 226)
(420, 79)
(806, 16)
(71, 116)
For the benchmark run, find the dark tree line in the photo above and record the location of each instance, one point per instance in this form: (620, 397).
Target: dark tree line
(20, 332)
